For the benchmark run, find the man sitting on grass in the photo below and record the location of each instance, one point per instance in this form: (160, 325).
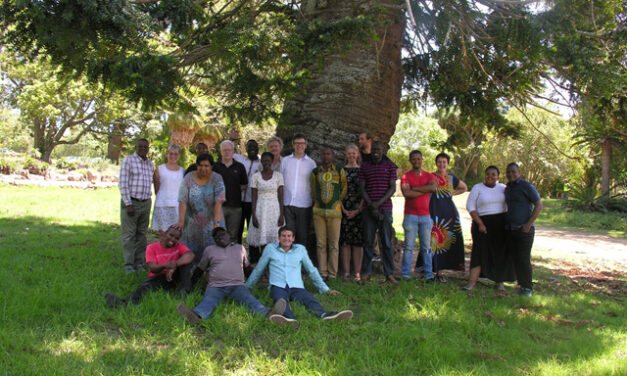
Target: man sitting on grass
(286, 260)
(225, 264)
(168, 264)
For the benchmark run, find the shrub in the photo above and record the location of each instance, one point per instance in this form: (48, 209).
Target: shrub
(8, 166)
(35, 166)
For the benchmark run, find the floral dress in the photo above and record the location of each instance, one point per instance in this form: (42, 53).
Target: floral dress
(268, 210)
(200, 200)
(447, 242)
(351, 232)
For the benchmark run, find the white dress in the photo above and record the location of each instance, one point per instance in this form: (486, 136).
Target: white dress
(268, 210)
(166, 211)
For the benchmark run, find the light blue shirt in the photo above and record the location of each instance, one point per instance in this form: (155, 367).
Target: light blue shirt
(285, 267)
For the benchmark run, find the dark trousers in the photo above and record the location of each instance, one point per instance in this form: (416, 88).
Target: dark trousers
(520, 244)
(181, 276)
(247, 212)
(300, 219)
(302, 296)
(371, 225)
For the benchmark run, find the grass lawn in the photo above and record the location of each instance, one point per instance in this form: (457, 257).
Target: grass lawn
(62, 252)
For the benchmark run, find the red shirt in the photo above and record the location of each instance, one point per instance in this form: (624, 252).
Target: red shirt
(417, 205)
(157, 254)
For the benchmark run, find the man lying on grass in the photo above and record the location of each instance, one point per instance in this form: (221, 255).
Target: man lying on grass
(286, 260)
(169, 264)
(225, 264)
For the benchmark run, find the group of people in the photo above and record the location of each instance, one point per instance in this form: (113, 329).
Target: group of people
(201, 214)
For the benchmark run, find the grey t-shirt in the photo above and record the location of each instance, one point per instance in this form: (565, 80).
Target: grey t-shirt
(225, 266)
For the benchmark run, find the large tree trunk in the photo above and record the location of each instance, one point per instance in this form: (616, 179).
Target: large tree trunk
(114, 146)
(354, 92)
(606, 159)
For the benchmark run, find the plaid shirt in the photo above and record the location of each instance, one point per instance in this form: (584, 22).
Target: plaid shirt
(135, 178)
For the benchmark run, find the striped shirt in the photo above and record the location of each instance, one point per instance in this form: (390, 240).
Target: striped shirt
(377, 178)
(135, 178)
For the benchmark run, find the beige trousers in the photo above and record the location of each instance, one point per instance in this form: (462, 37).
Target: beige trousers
(327, 235)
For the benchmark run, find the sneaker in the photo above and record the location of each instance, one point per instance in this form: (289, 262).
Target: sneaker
(113, 301)
(525, 292)
(341, 316)
(430, 280)
(467, 288)
(278, 308)
(187, 313)
(129, 270)
(280, 320)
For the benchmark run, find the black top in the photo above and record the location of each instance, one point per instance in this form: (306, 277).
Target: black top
(234, 177)
(520, 196)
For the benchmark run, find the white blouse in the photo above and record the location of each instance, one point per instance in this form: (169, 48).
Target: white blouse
(485, 200)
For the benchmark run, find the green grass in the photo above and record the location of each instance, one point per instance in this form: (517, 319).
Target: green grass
(61, 252)
(555, 214)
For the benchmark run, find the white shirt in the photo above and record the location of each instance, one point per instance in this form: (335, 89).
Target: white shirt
(297, 188)
(485, 200)
(251, 167)
(169, 183)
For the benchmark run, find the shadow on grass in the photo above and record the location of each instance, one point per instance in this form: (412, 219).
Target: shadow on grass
(54, 321)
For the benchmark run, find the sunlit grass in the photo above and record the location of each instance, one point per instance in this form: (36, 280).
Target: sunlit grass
(61, 252)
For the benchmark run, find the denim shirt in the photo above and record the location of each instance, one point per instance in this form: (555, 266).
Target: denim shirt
(285, 267)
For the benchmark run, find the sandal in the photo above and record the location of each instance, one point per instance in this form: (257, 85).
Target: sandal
(357, 278)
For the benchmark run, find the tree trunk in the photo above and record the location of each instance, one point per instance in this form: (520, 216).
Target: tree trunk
(606, 159)
(354, 92)
(114, 147)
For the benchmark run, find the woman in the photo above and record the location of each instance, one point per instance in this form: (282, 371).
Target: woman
(447, 242)
(353, 204)
(200, 205)
(275, 146)
(167, 180)
(267, 207)
(486, 205)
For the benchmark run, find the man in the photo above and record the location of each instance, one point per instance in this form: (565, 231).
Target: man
(329, 187)
(201, 149)
(224, 263)
(377, 182)
(275, 146)
(365, 146)
(285, 261)
(251, 164)
(523, 208)
(135, 185)
(296, 170)
(416, 186)
(235, 181)
(168, 263)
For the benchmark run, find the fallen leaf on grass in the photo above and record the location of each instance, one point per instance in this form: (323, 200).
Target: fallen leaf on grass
(491, 315)
(484, 355)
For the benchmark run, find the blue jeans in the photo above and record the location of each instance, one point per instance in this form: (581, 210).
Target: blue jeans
(302, 296)
(371, 224)
(417, 225)
(240, 294)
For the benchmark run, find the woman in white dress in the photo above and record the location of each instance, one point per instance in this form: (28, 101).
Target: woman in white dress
(167, 180)
(267, 207)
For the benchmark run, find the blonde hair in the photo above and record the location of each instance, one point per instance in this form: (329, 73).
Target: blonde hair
(174, 147)
(352, 146)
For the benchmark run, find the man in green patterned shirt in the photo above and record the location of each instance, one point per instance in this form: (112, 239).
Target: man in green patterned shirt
(328, 188)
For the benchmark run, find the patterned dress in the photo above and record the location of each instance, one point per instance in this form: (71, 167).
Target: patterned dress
(352, 229)
(200, 200)
(447, 242)
(268, 210)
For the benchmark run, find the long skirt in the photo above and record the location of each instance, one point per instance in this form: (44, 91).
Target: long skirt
(490, 250)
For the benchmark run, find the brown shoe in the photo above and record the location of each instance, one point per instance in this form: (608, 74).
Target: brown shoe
(280, 320)
(278, 308)
(390, 278)
(187, 313)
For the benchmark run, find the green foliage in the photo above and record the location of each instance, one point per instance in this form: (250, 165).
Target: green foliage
(8, 165)
(35, 166)
(416, 131)
(13, 134)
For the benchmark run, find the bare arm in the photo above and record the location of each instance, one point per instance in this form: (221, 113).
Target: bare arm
(281, 214)
(155, 180)
(408, 192)
(217, 213)
(364, 194)
(253, 193)
(427, 188)
(461, 188)
(475, 217)
(182, 210)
